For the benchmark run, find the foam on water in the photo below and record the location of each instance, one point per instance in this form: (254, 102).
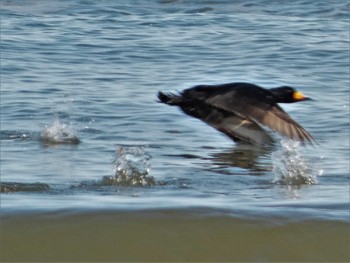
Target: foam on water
(59, 133)
(290, 167)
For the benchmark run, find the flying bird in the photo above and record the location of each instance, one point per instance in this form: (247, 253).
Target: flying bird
(241, 110)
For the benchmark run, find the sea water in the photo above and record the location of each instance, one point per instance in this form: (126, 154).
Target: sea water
(94, 168)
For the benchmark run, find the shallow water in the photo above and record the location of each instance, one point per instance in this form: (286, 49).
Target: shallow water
(84, 140)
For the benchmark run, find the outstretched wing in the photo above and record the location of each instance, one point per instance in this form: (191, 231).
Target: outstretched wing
(234, 126)
(267, 114)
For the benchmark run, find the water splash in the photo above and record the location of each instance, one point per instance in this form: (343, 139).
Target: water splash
(59, 133)
(290, 167)
(132, 166)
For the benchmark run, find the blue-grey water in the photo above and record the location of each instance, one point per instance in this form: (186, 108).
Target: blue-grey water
(82, 134)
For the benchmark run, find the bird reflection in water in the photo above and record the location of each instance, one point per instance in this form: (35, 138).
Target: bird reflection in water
(249, 157)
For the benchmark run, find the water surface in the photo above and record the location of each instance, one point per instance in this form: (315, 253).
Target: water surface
(84, 142)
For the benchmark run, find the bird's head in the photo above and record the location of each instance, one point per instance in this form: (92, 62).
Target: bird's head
(288, 95)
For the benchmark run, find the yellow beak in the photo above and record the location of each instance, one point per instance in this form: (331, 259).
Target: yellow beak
(299, 96)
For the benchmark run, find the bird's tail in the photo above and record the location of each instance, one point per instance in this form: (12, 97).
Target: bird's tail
(170, 98)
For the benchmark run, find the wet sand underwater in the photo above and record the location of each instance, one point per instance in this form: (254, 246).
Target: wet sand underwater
(169, 235)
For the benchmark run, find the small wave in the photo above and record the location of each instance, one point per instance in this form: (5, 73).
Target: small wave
(290, 167)
(6, 187)
(59, 133)
(132, 166)
(16, 135)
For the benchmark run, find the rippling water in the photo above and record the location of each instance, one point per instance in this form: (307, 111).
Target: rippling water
(82, 132)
